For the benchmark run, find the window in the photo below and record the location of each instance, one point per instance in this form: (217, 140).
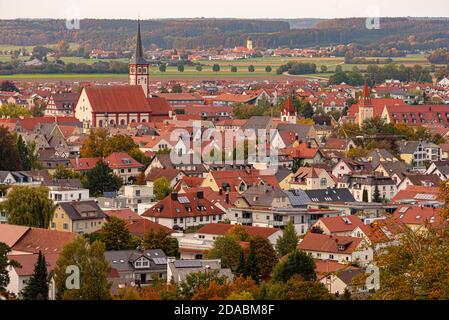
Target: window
(66, 226)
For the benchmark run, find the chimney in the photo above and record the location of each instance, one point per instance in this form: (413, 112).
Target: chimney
(220, 191)
(227, 197)
(174, 196)
(200, 194)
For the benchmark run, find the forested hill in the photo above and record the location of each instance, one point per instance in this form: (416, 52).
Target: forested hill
(400, 33)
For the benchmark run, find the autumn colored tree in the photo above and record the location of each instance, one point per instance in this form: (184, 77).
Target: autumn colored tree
(296, 288)
(195, 281)
(141, 179)
(162, 239)
(265, 255)
(95, 144)
(239, 233)
(9, 153)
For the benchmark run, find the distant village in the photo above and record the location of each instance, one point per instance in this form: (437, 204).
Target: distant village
(357, 166)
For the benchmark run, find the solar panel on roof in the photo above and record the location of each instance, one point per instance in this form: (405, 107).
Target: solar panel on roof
(160, 261)
(187, 264)
(183, 200)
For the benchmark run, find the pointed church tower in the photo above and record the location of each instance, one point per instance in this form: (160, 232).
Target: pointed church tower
(366, 109)
(139, 67)
(289, 113)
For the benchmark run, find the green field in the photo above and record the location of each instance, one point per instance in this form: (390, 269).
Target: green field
(225, 67)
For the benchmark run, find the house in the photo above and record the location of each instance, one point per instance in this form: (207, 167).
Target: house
(348, 166)
(339, 145)
(194, 246)
(308, 178)
(136, 194)
(140, 227)
(51, 158)
(342, 249)
(440, 168)
(27, 240)
(172, 175)
(81, 217)
(237, 180)
(124, 166)
(83, 165)
(416, 179)
(181, 211)
(417, 153)
(20, 275)
(341, 277)
(61, 190)
(394, 169)
(138, 268)
(363, 186)
(419, 195)
(179, 270)
(62, 104)
(338, 226)
(419, 218)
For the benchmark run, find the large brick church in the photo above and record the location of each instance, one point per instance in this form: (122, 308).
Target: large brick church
(110, 106)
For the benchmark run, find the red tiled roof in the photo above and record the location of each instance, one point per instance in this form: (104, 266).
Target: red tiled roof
(159, 107)
(123, 214)
(189, 206)
(342, 224)
(119, 160)
(412, 191)
(115, 99)
(83, 164)
(324, 243)
(142, 226)
(47, 241)
(27, 262)
(235, 177)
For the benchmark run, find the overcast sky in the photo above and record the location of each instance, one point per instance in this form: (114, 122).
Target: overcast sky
(120, 9)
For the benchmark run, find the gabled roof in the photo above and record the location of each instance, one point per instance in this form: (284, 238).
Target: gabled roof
(84, 164)
(10, 234)
(82, 210)
(119, 160)
(28, 261)
(333, 244)
(342, 224)
(47, 241)
(114, 99)
(157, 173)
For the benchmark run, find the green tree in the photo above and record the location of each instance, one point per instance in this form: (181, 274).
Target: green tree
(226, 248)
(177, 88)
(268, 69)
(252, 266)
(298, 262)
(93, 268)
(24, 153)
(251, 68)
(199, 68)
(38, 285)
(162, 68)
(5, 264)
(323, 68)
(162, 188)
(195, 281)
(376, 194)
(181, 68)
(307, 111)
(101, 179)
(365, 195)
(63, 172)
(216, 68)
(161, 239)
(9, 153)
(288, 242)
(233, 69)
(116, 236)
(29, 206)
(240, 270)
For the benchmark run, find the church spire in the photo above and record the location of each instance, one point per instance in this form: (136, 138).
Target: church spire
(138, 57)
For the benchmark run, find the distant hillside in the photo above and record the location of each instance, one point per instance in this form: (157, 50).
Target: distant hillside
(400, 33)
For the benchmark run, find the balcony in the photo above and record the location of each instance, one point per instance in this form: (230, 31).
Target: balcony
(275, 223)
(245, 220)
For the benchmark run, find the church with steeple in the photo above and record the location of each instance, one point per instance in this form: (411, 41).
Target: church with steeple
(123, 105)
(139, 67)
